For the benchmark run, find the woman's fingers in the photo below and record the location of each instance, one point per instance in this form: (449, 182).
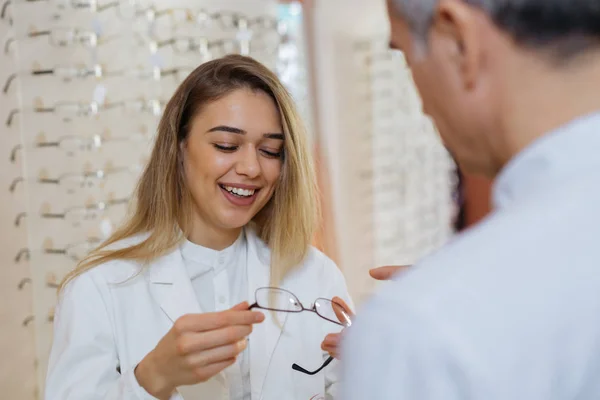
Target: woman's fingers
(205, 373)
(216, 355)
(342, 310)
(212, 321)
(241, 307)
(195, 342)
(333, 351)
(333, 339)
(331, 344)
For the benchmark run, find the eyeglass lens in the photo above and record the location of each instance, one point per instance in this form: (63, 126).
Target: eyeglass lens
(276, 299)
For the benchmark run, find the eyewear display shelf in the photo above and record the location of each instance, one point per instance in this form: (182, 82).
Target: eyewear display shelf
(84, 84)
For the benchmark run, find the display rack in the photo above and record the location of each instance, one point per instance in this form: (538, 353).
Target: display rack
(91, 79)
(17, 371)
(392, 181)
(84, 83)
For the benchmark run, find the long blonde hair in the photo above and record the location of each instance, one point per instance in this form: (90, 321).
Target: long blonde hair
(162, 203)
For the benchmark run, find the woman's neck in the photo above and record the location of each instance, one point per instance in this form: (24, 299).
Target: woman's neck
(214, 238)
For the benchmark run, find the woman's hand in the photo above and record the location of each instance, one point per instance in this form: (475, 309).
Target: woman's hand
(331, 343)
(197, 347)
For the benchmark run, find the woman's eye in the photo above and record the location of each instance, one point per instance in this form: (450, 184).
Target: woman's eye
(225, 147)
(272, 154)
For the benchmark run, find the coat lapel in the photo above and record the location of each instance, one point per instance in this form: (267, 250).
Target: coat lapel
(265, 336)
(171, 286)
(172, 289)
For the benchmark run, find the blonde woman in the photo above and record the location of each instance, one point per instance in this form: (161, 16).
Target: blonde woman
(224, 216)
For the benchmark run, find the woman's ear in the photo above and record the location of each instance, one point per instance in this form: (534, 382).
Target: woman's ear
(183, 146)
(182, 151)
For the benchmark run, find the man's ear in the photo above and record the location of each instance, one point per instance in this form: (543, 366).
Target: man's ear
(457, 24)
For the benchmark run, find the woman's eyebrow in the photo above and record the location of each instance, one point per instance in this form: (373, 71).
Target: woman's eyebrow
(225, 128)
(231, 129)
(274, 136)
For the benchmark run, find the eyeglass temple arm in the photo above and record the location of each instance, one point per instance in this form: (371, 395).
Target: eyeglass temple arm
(253, 306)
(11, 115)
(296, 367)
(13, 153)
(7, 44)
(4, 8)
(9, 80)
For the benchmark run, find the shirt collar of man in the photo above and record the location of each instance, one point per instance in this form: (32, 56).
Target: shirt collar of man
(557, 157)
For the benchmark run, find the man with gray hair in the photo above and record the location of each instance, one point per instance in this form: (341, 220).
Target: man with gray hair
(509, 309)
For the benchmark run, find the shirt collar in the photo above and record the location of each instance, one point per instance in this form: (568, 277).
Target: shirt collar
(558, 155)
(210, 258)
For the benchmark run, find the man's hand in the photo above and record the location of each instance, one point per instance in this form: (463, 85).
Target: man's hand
(388, 272)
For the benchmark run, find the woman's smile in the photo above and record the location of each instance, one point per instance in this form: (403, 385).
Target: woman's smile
(240, 195)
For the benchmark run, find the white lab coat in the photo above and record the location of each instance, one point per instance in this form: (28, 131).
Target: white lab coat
(103, 328)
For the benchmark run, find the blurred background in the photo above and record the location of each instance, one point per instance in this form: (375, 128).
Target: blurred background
(83, 84)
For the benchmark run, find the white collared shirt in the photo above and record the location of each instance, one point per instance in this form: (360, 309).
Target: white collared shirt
(508, 310)
(220, 281)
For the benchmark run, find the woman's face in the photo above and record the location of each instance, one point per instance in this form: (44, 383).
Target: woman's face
(232, 160)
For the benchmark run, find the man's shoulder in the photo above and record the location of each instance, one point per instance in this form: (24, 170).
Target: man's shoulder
(483, 256)
(510, 257)
(509, 289)
(466, 253)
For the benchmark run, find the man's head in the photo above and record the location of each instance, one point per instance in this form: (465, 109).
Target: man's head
(493, 73)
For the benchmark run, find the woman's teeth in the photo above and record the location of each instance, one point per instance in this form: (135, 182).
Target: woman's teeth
(240, 192)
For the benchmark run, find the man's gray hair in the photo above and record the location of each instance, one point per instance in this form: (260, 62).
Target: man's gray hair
(566, 27)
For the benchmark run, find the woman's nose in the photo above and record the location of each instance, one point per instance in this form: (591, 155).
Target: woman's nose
(248, 163)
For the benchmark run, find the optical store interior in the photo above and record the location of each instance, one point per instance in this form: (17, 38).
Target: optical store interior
(85, 83)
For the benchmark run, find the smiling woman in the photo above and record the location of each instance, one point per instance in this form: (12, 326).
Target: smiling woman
(230, 119)
(226, 205)
(232, 162)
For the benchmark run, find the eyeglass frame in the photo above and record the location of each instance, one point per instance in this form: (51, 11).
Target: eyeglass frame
(295, 366)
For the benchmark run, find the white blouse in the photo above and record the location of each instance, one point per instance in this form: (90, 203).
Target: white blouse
(220, 281)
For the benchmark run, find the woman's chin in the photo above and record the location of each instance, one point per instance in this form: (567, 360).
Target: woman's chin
(236, 218)
(235, 223)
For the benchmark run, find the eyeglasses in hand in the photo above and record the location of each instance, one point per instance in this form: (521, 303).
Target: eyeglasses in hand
(276, 299)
